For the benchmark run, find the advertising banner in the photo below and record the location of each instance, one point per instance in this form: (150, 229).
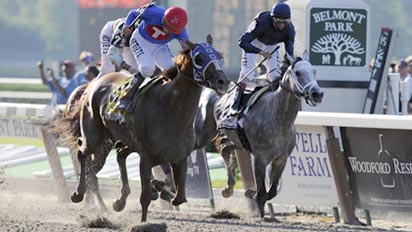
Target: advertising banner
(379, 164)
(379, 70)
(307, 178)
(197, 179)
(338, 36)
(19, 127)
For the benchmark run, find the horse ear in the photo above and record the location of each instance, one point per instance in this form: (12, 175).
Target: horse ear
(306, 55)
(209, 39)
(188, 44)
(290, 58)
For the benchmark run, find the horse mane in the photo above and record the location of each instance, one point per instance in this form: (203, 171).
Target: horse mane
(182, 61)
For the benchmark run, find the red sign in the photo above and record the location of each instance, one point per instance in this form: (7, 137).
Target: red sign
(83, 4)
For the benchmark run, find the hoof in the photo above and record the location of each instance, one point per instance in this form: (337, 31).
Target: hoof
(227, 192)
(118, 205)
(250, 193)
(155, 195)
(177, 202)
(76, 197)
(271, 220)
(166, 195)
(158, 185)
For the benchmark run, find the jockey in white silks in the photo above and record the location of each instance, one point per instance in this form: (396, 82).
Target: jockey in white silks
(115, 51)
(149, 42)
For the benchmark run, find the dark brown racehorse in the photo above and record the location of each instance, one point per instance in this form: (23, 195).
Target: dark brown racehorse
(160, 128)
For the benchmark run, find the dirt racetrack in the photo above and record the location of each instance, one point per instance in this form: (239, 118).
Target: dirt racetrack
(33, 206)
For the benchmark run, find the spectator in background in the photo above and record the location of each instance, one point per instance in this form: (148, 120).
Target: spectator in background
(371, 64)
(78, 80)
(58, 85)
(409, 61)
(403, 71)
(86, 58)
(405, 77)
(91, 72)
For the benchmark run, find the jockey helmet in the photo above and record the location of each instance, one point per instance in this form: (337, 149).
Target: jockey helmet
(175, 19)
(281, 11)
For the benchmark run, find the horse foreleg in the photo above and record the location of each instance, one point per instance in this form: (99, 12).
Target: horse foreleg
(81, 186)
(179, 175)
(122, 153)
(278, 166)
(260, 196)
(146, 195)
(228, 191)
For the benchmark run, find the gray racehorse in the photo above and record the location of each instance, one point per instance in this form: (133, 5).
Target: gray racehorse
(269, 127)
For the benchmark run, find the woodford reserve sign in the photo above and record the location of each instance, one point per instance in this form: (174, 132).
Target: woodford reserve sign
(338, 37)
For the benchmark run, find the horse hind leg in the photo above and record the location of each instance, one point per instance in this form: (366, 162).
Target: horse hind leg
(94, 164)
(81, 185)
(163, 181)
(228, 191)
(122, 152)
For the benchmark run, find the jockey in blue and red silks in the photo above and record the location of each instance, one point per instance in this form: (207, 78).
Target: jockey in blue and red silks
(262, 37)
(149, 42)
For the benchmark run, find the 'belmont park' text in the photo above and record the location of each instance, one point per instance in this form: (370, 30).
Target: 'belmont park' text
(380, 167)
(346, 18)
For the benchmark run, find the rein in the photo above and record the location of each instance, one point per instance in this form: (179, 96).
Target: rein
(301, 89)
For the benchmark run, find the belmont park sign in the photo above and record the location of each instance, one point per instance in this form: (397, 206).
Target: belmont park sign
(338, 37)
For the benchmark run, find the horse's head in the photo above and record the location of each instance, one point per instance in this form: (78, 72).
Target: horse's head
(204, 63)
(300, 78)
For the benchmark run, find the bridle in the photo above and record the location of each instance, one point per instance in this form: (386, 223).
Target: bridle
(210, 56)
(298, 90)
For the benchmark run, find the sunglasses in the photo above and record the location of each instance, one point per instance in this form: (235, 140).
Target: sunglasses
(281, 21)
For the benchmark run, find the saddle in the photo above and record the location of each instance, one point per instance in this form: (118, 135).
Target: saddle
(235, 122)
(113, 113)
(228, 121)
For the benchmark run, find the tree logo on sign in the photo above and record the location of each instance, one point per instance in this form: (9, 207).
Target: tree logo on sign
(338, 44)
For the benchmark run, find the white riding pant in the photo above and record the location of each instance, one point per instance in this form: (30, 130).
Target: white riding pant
(249, 61)
(149, 55)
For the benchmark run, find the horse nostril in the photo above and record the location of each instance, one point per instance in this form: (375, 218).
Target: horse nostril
(220, 82)
(315, 95)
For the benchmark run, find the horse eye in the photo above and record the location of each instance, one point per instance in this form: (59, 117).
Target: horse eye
(298, 73)
(199, 59)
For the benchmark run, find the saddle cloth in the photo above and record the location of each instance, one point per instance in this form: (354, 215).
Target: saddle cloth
(113, 113)
(233, 122)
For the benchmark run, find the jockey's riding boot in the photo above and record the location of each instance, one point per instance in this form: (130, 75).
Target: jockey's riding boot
(238, 101)
(125, 101)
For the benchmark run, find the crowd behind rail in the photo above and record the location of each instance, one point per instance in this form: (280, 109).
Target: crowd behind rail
(404, 69)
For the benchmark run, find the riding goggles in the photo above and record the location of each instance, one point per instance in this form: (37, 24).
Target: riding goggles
(278, 20)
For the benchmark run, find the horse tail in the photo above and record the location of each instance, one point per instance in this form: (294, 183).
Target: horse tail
(67, 128)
